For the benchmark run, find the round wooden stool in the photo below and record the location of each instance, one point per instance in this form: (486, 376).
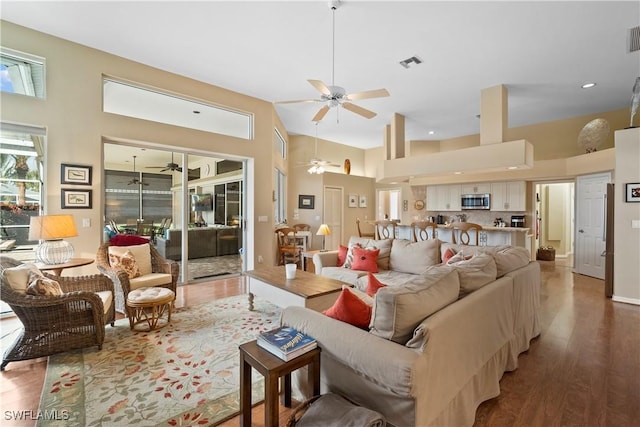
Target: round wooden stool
(147, 306)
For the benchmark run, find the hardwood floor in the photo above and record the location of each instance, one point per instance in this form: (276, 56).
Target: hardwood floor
(584, 369)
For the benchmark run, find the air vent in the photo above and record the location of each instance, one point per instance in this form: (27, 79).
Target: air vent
(414, 59)
(634, 39)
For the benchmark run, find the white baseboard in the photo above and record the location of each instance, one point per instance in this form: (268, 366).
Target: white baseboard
(625, 300)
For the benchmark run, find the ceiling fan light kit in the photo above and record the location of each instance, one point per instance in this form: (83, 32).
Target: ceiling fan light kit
(334, 96)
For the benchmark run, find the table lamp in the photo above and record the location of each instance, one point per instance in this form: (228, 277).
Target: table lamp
(52, 229)
(323, 231)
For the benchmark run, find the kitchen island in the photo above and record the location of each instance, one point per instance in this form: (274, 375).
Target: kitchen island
(515, 236)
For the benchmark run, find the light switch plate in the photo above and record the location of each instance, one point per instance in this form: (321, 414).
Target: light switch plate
(86, 222)
(635, 223)
(262, 218)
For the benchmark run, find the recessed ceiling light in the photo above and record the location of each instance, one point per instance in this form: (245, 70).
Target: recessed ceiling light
(588, 85)
(431, 132)
(512, 167)
(457, 173)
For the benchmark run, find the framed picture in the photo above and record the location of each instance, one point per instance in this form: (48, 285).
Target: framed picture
(75, 174)
(353, 200)
(363, 201)
(306, 201)
(633, 192)
(76, 199)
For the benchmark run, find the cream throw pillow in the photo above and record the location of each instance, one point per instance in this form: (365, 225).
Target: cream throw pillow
(141, 253)
(18, 277)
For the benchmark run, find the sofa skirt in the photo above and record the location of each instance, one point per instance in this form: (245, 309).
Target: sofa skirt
(485, 385)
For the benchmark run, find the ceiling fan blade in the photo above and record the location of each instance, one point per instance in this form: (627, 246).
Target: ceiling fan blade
(298, 100)
(320, 86)
(377, 93)
(320, 114)
(359, 110)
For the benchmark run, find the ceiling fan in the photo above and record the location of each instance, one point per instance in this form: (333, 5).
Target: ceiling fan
(171, 166)
(316, 164)
(135, 179)
(336, 96)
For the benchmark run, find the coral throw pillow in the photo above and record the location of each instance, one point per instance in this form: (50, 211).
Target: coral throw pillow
(342, 255)
(126, 262)
(448, 255)
(365, 259)
(350, 309)
(127, 240)
(373, 285)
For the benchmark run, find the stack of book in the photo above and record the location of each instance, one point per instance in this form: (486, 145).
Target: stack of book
(287, 343)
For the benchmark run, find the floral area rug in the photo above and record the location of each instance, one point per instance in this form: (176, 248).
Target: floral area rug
(185, 374)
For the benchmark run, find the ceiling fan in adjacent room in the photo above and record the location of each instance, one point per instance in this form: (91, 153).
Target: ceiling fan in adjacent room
(317, 165)
(136, 180)
(171, 166)
(336, 96)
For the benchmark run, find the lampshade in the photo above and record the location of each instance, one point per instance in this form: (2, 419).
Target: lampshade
(52, 229)
(323, 230)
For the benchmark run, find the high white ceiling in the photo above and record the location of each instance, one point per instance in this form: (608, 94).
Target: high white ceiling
(542, 51)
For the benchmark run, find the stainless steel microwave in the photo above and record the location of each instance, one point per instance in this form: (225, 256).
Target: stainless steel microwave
(475, 201)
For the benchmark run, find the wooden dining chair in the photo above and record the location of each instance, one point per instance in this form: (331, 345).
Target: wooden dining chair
(288, 249)
(361, 234)
(385, 229)
(424, 230)
(465, 233)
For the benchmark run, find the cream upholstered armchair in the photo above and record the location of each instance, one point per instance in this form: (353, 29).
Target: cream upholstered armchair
(58, 314)
(133, 266)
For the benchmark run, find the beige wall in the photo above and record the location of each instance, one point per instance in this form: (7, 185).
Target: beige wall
(72, 114)
(626, 276)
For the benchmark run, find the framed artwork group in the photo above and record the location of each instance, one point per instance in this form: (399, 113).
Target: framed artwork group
(72, 198)
(356, 201)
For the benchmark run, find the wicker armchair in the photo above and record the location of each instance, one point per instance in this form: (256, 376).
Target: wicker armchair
(121, 280)
(55, 324)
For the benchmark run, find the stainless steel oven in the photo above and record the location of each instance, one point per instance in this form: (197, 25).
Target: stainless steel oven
(475, 201)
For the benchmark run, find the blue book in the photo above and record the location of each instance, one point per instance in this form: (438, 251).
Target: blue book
(286, 342)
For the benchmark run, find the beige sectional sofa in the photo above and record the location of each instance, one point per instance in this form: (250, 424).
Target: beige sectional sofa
(440, 336)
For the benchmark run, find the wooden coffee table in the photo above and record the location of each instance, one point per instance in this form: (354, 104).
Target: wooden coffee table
(306, 290)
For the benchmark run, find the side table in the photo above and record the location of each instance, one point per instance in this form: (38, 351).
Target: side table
(272, 369)
(308, 260)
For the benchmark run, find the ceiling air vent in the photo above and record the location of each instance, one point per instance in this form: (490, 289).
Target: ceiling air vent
(634, 39)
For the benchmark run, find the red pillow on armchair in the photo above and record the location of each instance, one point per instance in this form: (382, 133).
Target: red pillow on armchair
(127, 240)
(350, 309)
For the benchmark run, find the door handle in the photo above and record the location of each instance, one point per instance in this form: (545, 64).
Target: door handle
(604, 253)
(581, 231)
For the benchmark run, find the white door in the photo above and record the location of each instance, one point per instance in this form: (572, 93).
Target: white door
(591, 206)
(333, 200)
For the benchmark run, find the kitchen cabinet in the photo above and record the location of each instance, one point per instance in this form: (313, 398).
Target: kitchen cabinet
(476, 188)
(508, 196)
(443, 197)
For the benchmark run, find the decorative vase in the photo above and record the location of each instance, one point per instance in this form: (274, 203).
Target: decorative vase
(347, 166)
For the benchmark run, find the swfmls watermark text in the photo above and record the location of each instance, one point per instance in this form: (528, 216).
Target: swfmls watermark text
(46, 415)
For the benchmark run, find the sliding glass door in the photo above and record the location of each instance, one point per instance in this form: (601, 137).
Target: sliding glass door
(148, 198)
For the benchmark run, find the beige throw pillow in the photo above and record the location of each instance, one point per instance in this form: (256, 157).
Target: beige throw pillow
(413, 257)
(397, 310)
(43, 286)
(475, 272)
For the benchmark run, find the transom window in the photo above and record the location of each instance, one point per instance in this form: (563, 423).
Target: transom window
(22, 73)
